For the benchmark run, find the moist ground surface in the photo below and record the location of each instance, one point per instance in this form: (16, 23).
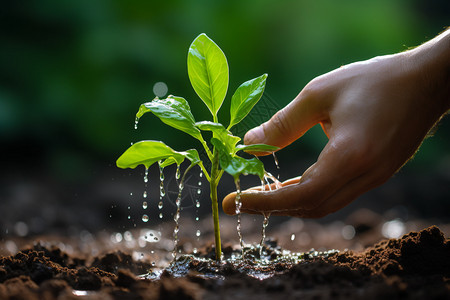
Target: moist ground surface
(416, 266)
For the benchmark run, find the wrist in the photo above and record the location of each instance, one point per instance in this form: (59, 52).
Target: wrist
(431, 62)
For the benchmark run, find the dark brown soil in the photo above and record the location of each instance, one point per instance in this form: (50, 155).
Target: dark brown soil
(416, 266)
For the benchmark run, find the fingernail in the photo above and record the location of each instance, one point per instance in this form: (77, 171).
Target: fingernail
(254, 136)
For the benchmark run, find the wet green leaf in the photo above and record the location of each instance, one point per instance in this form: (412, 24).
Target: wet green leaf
(167, 162)
(257, 148)
(236, 165)
(245, 97)
(148, 152)
(173, 111)
(193, 156)
(221, 133)
(208, 72)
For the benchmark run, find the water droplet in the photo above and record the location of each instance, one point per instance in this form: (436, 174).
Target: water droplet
(160, 215)
(146, 175)
(201, 174)
(160, 205)
(196, 218)
(129, 207)
(131, 143)
(197, 204)
(131, 194)
(144, 205)
(199, 183)
(275, 160)
(145, 218)
(292, 237)
(145, 194)
(129, 217)
(199, 191)
(136, 121)
(198, 233)
(178, 173)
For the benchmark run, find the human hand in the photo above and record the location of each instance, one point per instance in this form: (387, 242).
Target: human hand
(375, 113)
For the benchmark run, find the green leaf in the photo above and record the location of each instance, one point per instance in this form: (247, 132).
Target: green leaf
(208, 72)
(221, 133)
(236, 165)
(193, 156)
(245, 97)
(148, 152)
(257, 148)
(173, 111)
(167, 162)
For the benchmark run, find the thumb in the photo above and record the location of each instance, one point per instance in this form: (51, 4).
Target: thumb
(289, 123)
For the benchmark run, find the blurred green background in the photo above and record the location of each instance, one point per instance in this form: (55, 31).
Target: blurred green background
(73, 73)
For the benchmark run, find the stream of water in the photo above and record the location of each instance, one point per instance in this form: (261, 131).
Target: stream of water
(238, 203)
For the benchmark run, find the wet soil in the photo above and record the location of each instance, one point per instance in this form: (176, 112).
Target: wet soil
(415, 266)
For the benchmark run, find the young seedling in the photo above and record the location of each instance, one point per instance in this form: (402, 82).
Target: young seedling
(208, 74)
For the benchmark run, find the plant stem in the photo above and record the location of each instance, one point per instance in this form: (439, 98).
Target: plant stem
(214, 203)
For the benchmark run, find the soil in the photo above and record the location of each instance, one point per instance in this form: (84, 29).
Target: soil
(415, 266)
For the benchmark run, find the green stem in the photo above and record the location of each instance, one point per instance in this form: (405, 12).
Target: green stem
(204, 171)
(215, 177)
(205, 146)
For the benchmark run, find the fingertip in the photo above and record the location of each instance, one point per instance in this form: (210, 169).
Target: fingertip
(228, 204)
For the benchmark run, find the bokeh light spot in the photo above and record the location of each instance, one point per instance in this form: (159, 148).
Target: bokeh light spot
(160, 89)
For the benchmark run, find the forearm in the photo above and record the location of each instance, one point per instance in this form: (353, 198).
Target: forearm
(431, 61)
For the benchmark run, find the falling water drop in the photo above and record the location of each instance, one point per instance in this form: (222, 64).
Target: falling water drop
(162, 192)
(160, 215)
(146, 175)
(160, 205)
(201, 174)
(197, 204)
(196, 218)
(198, 233)
(131, 194)
(199, 191)
(178, 173)
(145, 194)
(263, 232)
(145, 218)
(292, 236)
(199, 183)
(238, 203)
(144, 205)
(275, 159)
(177, 214)
(136, 121)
